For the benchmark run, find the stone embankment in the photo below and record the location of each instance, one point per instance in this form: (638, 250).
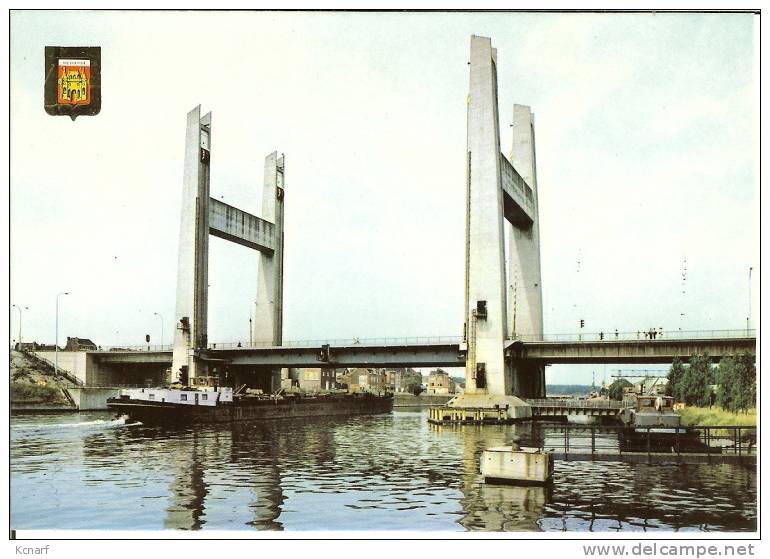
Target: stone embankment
(402, 399)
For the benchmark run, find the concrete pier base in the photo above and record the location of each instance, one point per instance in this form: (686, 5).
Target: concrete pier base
(524, 466)
(479, 409)
(92, 399)
(515, 407)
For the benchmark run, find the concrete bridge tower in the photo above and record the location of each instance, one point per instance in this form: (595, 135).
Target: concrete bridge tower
(524, 277)
(203, 216)
(496, 193)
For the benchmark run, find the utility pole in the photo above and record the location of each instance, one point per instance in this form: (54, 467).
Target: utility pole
(56, 341)
(161, 328)
(748, 319)
(19, 309)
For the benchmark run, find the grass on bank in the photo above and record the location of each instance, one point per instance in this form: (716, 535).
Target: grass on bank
(716, 416)
(26, 392)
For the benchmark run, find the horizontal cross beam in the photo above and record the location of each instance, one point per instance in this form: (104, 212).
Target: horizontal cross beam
(230, 223)
(518, 200)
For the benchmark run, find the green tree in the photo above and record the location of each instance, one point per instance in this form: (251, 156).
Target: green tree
(727, 381)
(615, 389)
(675, 374)
(745, 391)
(696, 381)
(737, 379)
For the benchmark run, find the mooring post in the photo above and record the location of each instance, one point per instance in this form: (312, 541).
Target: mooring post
(566, 441)
(677, 442)
(708, 443)
(648, 445)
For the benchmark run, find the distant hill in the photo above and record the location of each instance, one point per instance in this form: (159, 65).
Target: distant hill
(567, 389)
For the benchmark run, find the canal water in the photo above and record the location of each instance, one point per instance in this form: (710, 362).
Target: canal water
(383, 472)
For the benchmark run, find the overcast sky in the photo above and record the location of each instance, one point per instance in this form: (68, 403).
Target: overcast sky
(647, 142)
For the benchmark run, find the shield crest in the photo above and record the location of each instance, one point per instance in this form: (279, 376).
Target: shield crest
(72, 81)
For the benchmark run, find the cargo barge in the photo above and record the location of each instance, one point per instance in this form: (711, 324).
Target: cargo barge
(651, 424)
(211, 404)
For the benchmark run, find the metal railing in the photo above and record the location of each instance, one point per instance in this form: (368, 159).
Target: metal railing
(145, 348)
(612, 336)
(735, 440)
(113, 385)
(639, 335)
(577, 404)
(343, 342)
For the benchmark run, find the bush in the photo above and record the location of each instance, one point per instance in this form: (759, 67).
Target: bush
(716, 416)
(27, 392)
(615, 390)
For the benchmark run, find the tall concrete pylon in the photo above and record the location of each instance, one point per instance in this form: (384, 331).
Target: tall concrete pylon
(486, 312)
(524, 276)
(496, 193)
(203, 216)
(191, 331)
(268, 326)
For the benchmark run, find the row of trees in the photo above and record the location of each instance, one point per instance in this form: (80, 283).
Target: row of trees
(735, 378)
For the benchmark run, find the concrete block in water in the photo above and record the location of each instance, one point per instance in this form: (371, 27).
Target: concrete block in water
(525, 466)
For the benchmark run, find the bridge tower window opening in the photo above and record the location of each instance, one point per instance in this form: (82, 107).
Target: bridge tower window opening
(481, 310)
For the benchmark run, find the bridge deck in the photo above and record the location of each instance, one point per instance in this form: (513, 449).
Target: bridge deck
(445, 351)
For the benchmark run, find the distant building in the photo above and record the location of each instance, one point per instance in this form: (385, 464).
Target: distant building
(34, 346)
(366, 380)
(408, 381)
(315, 379)
(651, 385)
(393, 379)
(440, 383)
(288, 378)
(79, 344)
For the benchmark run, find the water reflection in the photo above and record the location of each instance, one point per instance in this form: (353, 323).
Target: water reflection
(188, 488)
(386, 472)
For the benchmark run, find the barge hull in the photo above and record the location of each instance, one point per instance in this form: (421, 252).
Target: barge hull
(154, 413)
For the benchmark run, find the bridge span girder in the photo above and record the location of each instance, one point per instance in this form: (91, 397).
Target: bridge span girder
(660, 352)
(522, 355)
(429, 355)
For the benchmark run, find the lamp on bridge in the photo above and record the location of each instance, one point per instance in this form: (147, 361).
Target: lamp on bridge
(56, 341)
(161, 327)
(19, 309)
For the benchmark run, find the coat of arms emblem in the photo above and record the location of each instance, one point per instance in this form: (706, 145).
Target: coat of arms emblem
(72, 81)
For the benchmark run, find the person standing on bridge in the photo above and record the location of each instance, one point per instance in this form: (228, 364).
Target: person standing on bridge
(616, 333)
(601, 336)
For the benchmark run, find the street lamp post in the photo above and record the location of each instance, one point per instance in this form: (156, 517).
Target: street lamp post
(253, 325)
(19, 309)
(748, 318)
(161, 327)
(56, 341)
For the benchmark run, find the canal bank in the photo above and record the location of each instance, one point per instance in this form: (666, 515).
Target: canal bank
(406, 400)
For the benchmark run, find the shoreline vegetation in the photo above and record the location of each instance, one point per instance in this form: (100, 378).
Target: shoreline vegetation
(26, 393)
(694, 415)
(34, 383)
